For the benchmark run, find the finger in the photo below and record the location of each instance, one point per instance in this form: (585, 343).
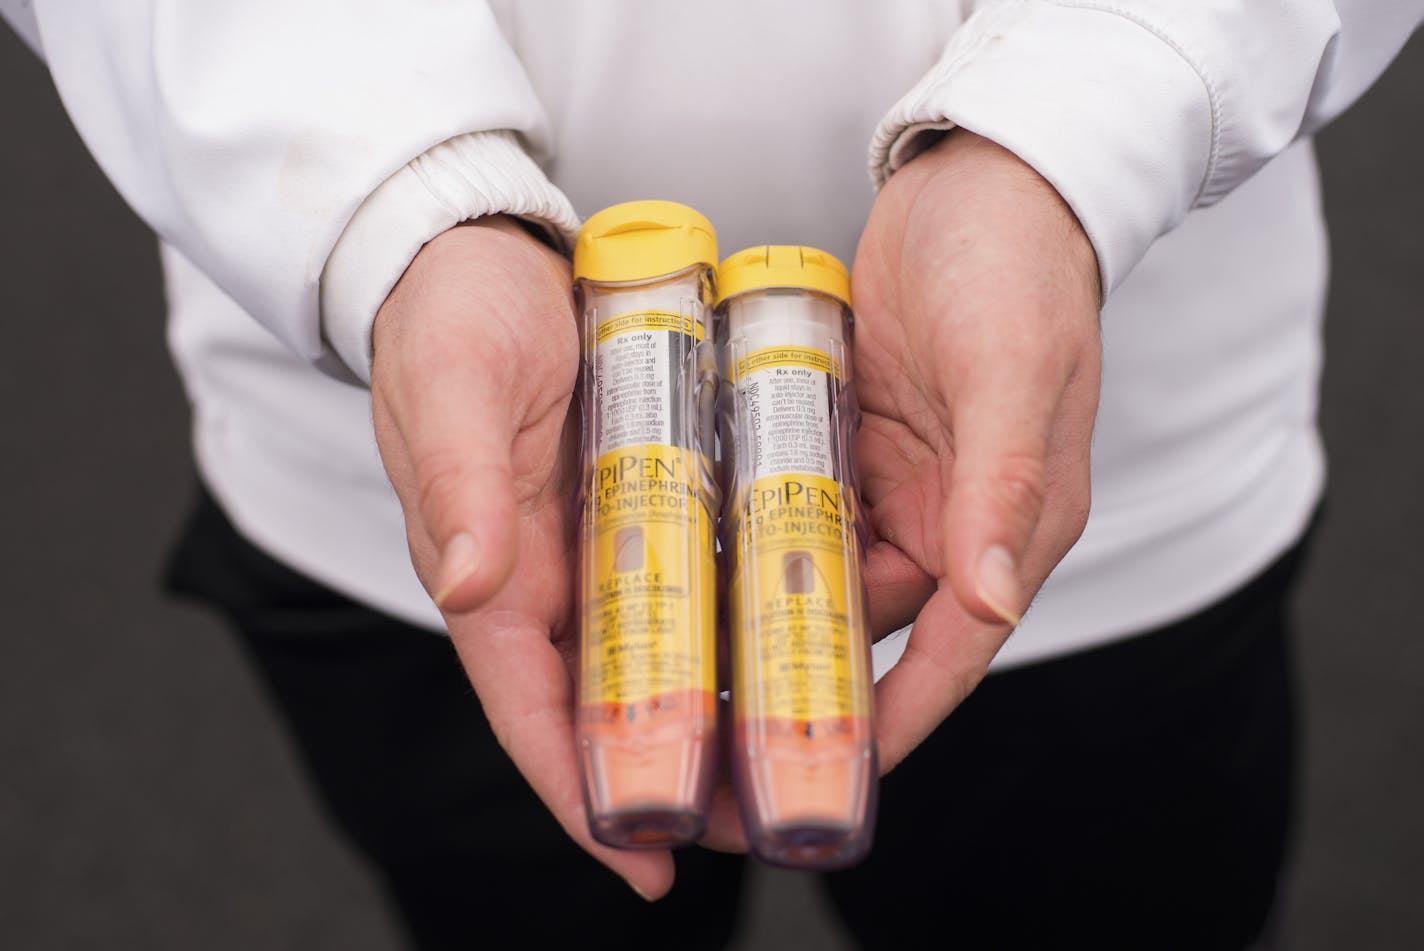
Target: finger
(724, 823)
(527, 695)
(457, 428)
(947, 654)
(458, 381)
(948, 649)
(997, 481)
(896, 588)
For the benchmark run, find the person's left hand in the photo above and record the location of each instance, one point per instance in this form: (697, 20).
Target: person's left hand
(977, 359)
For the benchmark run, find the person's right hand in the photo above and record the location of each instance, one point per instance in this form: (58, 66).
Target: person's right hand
(476, 353)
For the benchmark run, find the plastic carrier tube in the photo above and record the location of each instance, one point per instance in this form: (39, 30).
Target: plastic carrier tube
(803, 748)
(646, 719)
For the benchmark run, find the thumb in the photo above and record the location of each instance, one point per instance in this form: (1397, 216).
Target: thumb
(455, 382)
(457, 488)
(996, 489)
(470, 511)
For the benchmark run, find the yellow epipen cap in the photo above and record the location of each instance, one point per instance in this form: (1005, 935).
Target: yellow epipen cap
(783, 265)
(639, 240)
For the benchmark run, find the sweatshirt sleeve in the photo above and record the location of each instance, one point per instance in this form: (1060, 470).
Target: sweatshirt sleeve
(1138, 111)
(258, 136)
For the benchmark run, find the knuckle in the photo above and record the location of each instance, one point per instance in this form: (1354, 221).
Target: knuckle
(1018, 484)
(954, 677)
(1078, 508)
(1073, 496)
(439, 480)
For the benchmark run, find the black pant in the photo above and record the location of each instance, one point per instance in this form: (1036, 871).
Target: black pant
(1132, 796)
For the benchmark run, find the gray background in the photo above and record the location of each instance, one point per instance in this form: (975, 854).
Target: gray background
(148, 798)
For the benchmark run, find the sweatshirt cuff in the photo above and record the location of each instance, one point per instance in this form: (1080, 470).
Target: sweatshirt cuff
(1107, 108)
(481, 173)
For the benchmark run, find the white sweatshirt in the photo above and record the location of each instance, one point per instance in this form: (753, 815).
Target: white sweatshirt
(294, 156)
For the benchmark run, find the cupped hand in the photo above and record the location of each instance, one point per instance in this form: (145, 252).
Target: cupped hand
(476, 353)
(977, 361)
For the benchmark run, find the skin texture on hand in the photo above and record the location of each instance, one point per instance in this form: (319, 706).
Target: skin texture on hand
(978, 365)
(476, 353)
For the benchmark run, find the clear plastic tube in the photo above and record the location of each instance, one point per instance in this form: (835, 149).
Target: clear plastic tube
(646, 721)
(803, 750)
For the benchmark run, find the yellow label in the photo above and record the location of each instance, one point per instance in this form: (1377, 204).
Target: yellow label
(769, 357)
(795, 600)
(663, 320)
(650, 623)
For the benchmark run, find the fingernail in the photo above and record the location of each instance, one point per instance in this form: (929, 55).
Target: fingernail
(457, 563)
(639, 892)
(998, 583)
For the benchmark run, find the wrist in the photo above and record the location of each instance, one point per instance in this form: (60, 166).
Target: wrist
(464, 178)
(464, 273)
(980, 172)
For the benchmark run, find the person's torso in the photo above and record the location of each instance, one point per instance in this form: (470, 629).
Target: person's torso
(759, 114)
